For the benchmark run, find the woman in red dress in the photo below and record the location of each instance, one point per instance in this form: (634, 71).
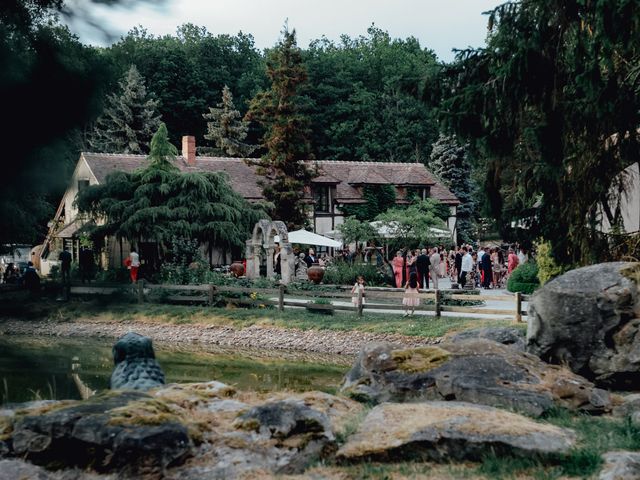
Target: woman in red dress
(397, 263)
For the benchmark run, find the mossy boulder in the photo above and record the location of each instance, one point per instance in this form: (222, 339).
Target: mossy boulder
(445, 431)
(476, 370)
(589, 320)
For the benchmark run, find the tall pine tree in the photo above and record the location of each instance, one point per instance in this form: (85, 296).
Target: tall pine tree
(277, 110)
(129, 119)
(226, 130)
(449, 162)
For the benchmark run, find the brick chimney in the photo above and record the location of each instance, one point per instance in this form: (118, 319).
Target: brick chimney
(189, 150)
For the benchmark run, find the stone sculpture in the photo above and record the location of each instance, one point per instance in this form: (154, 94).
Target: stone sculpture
(135, 362)
(301, 269)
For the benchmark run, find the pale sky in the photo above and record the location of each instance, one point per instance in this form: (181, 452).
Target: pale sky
(439, 25)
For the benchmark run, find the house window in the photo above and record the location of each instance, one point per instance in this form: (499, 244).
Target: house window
(321, 198)
(82, 184)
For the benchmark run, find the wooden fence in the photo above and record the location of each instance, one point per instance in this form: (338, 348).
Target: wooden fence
(436, 301)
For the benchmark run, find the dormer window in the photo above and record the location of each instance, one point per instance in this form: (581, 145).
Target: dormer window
(321, 199)
(82, 184)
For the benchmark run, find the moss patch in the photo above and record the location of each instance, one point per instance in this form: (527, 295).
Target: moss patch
(632, 272)
(422, 359)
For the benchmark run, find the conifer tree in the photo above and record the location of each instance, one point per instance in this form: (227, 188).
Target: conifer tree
(277, 110)
(129, 119)
(226, 129)
(449, 162)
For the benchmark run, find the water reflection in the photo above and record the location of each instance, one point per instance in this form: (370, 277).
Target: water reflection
(54, 368)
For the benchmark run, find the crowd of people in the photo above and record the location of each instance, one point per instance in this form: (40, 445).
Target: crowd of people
(486, 267)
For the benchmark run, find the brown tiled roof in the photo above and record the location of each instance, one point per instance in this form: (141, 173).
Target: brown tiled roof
(347, 176)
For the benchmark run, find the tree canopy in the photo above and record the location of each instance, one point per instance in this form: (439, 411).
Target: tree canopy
(129, 119)
(551, 104)
(286, 129)
(160, 203)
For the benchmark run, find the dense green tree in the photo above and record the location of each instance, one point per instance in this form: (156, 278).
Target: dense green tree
(285, 139)
(188, 70)
(364, 98)
(129, 119)
(226, 129)
(450, 163)
(354, 230)
(414, 225)
(160, 203)
(552, 107)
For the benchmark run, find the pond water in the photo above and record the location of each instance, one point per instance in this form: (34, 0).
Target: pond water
(34, 368)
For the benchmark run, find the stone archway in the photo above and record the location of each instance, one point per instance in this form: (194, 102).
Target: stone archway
(263, 238)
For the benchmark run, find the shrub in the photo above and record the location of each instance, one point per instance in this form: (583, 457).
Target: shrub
(524, 279)
(342, 273)
(547, 266)
(319, 301)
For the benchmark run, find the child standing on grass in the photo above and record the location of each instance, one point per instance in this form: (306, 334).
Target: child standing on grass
(358, 287)
(411, 297)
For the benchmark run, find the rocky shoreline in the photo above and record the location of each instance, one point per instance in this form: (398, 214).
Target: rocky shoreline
(253, 337)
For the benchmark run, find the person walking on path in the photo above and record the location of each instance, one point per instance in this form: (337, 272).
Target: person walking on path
(134, 265)
(434, 267)
(398, 263)
(458, 264)
(411, 297)
(355, 291)
(422, 267)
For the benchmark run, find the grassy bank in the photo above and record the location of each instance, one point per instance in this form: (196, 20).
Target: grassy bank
(113, 309)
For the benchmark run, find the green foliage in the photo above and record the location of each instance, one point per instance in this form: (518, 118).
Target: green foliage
(278, 111)
(341, 273)
(353, 230)
(524, 279)
(48, 75)
(226, 130)
(321, 311)
(548, 269)
(159, 203)
(377, 199)
(551, 104)
(129, 118)
(366, 98)
(450, 163)
(188, 70)
(162, 155)
(413, 225)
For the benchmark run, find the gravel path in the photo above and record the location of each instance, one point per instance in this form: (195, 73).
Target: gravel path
(258, 337)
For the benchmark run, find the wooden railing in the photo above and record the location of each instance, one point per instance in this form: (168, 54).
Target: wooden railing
(436, 301)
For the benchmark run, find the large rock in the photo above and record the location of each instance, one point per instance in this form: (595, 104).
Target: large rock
(621, 466)
(135, 362)
(18, 469)
(477, 371)
(445, 431)
(588, 319)
(129, 432)
(511, 336)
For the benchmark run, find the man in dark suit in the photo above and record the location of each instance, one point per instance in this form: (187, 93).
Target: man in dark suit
(310, 259)
(486, 269)
(422, 265)
(458, 262)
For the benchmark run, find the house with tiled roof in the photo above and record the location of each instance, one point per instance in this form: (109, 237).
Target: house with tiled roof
(336, 183)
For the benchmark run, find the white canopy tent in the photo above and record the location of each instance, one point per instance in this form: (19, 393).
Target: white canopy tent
(309, 238)
(388, 231)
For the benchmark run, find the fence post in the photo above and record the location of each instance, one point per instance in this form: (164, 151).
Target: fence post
(360, 302)
(518, 307)
(212, 292)
(281, 297)
(141, 291)
(437, 303)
